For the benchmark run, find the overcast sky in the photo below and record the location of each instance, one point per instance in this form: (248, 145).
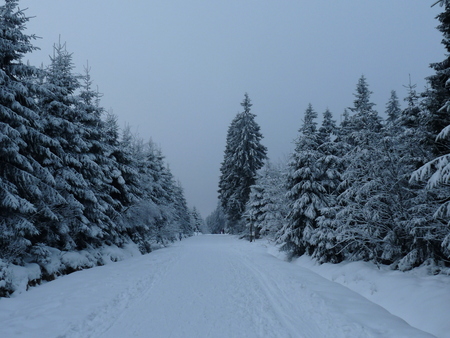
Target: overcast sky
(177, 70)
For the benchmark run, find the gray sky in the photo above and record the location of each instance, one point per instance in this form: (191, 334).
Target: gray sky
(177, 70)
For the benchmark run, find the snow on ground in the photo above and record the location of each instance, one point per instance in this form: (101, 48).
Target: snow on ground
(205, 286)
(419, 298)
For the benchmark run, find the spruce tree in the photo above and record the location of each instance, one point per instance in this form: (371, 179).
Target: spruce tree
(437, 96)
(267, 207)
(216, 221)
(197, 222)
(124, 173)
(254, 213)
(331, 164)
(244, 156)
(68, 121)
(393, 108)
(358, 225)
(436, 118)
(26, 187)
(306, 195)
(181, 211)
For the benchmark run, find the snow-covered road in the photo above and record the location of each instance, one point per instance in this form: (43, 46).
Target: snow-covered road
(205, 286)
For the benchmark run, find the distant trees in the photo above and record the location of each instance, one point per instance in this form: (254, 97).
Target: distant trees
(216, 222)
(244, 156)
(197, 222)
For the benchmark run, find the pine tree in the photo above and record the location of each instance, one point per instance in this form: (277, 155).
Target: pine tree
(216, 222)
(124, 174)
(254, 213)
(267, 207)
(414, 205)
(359, 215)
(436, 118)
(68, 120)
(305, 194)
(26, 187)
(244, 156)
(437, 97)
(182, 212)
(393, 108)
(197, 222)
(331, 165)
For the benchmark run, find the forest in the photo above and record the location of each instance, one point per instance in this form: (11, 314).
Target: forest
(78, 191)
(371, 188)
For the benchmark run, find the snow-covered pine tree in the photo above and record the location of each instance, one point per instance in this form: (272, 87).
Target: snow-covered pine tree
(359, 218)
(134, 185)
(216, 222)
(306, 195)
(411, 206)
(437, 96)
(124, 174)
(163, 194)
(365, 121)
(436, 113)
(155, 213)
(181, 211)
(26, 188)
(197, 222)
(393, 109)
(82, 219)
(331, 164)
(96, 162)
(244, 156)
(267, 206)
(254, 213)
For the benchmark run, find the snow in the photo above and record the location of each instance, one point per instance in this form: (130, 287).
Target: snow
(420, 299)
(219, 286)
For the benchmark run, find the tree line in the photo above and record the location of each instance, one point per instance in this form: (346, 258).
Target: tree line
(70, 179)
(368, 189)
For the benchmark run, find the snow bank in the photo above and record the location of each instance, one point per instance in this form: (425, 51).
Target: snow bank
(421, 299)
(52, 263)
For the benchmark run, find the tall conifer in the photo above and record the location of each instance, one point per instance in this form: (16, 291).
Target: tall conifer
(244, 156)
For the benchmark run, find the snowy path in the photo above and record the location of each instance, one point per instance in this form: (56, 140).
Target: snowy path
(205, 286)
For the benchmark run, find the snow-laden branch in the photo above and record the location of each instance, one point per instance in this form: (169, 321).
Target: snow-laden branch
(441, 3)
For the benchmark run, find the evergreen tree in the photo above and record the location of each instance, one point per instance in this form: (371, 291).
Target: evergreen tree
(83, 220)
(419, 203)
(254, 213)
(96, 162)
(216, 222)
(436, 118)
(437, 97)
(393, 108)
(26, 187)
(267, 207)
(123, 172)
(306, 195)
(331, 164)
(197, 222)
(359, 215)
(181, 211)
(244, 156)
